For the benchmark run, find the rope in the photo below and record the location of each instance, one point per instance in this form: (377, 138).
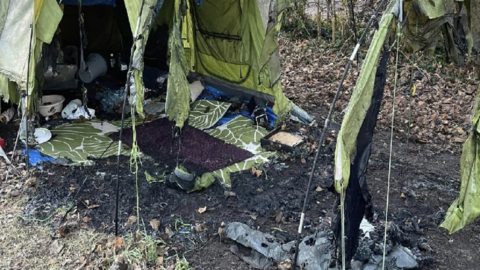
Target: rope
(134, 161)
(47, 218)
(399, 33)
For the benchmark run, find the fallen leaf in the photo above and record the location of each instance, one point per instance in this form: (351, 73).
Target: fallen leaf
(159, 261)
(202, 209)
(55, 247)
(63, 231)
(93, 206)
(200, 227)
(278, 216)
(402, 195)
(130, 221)
(285, 265)
(303, 160)
(169, 232)
(221, 231)
(319, 189)
(254, 170)
(72, 189)
(86, 219)
(258, 173)
(155, 224)
(87, 202)
(254, 217)
(118, 242)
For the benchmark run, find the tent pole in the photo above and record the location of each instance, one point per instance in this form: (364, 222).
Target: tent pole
(26, 96)
(325, 127)
(127, 89)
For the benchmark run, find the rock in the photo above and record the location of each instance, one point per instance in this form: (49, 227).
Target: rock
(31, 182)
(364, 250)
(356, 265)
(371, 266)
(56, 247)
(14, 193)
(404, 257)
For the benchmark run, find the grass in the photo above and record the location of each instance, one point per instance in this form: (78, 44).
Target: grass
(37, 244)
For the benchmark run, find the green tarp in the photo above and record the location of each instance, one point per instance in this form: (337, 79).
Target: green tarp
(466, 208)
(359, 104)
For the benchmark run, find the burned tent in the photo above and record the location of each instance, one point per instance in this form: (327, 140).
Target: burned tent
(230, 44)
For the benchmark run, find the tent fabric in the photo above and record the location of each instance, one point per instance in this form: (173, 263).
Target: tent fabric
(148, 15)
(3, 15)
(15, 22)
(90, 2)
(358, 105)
(466, 208)
(177, 103)
(233, 45)
(357, 198)
(457, 21)
(14, 41)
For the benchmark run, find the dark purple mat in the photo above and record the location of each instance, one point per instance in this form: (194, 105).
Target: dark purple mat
(199, 151)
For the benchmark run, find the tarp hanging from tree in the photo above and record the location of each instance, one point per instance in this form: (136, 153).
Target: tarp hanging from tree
(466, 208)
(358, 105)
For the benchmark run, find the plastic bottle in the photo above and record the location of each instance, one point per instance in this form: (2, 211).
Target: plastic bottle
(72, 106)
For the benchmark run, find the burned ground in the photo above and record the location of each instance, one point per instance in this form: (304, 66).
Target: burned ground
(425, 181)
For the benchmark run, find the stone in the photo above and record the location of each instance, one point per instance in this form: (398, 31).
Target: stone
(404, 257)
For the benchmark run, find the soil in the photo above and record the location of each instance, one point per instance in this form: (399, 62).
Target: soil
(424, 183)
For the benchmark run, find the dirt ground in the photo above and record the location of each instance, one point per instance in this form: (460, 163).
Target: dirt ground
(40, 230)
(424, 183)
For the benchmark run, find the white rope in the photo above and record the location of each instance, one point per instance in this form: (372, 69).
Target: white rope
(391, 147)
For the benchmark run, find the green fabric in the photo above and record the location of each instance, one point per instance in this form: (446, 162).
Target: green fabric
(359, 104)
(48, 20)
(203, 182)
(233, 45)
(205, 113)
(137, 88)
(79, 141)
(252, 34)
(241, 133)
(435, 9)
(154, 179)
(466, 208)
(177, 103)
(8, 90)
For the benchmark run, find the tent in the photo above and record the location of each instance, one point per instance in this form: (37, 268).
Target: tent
(232, 43)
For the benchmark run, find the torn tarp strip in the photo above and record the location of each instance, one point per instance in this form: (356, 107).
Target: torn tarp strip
(358, 199)
(89, 2)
